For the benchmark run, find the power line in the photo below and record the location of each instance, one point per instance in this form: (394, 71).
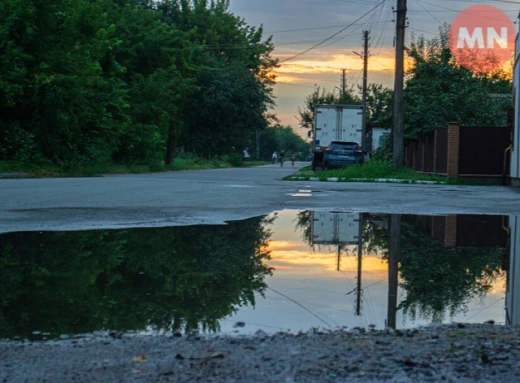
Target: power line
(334, 35)
(455, 10)
(299, 304)
(431, 14)
(313, 29)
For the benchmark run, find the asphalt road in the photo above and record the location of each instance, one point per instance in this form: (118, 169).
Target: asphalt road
(216, 196)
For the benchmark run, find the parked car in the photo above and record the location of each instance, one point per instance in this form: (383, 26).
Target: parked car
(341, 153)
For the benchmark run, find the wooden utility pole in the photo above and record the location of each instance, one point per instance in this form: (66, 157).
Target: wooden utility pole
(359, 289)
(398, 127)
(365, 88)
(344, 84)
(394, 249)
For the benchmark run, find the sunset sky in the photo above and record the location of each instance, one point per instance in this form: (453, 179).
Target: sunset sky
(297, 25)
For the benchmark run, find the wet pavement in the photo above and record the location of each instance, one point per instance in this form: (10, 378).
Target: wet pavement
(216, 196)
(293, 270)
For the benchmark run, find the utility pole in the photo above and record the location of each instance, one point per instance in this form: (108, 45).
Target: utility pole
(365, 89)
(394, 249)
(359, 268)
(365, 57)
(344, 84)
(398, 126)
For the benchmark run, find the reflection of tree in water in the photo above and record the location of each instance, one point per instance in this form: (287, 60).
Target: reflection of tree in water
(167, 278)
(437, 281)
(304, 225)
(440, 281)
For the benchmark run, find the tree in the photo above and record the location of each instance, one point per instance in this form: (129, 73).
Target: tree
(58, 102)
(438, 90)
(278, 138)
(380, 105)
(232, 68)
(91, 81)
(440, 282)
(186, 278)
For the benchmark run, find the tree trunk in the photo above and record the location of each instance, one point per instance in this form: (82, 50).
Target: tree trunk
(170, 147)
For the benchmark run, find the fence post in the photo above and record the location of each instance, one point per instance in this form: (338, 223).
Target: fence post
(453, 149)
(450, 233)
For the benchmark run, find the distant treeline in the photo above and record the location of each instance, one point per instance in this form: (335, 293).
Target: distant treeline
(129, 81)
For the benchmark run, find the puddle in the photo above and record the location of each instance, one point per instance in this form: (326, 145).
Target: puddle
(291, 270)
(239, 186)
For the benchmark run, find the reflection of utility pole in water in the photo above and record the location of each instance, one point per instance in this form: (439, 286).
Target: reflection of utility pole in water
(394, 248)
(359, 268)
(339, 258)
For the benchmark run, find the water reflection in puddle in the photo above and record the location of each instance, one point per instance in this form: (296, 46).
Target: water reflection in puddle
(292, 270)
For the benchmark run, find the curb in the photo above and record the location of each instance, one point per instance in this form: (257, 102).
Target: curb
(375, 180)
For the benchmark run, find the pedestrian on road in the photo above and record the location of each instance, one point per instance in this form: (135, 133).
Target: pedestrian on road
(293, 158)
(275, 157)
(282, 158)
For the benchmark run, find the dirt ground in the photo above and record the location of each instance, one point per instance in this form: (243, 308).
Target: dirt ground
(448, 353)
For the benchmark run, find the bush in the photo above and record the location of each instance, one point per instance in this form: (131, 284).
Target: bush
(236, 159)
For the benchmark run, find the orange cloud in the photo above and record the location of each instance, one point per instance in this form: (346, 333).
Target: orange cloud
(291, 71)
(293, 255)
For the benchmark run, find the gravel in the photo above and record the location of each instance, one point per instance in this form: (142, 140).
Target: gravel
(448, 353)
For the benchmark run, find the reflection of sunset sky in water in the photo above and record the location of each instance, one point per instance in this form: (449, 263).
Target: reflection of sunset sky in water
(309, 277)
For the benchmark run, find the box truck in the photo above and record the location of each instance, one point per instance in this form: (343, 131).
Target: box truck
(341, 123)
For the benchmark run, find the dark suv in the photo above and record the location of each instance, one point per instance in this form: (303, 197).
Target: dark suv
(341, 153)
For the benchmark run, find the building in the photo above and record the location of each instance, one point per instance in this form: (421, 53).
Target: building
(515, 150)
(513, 275)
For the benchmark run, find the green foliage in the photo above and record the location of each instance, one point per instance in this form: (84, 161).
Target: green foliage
(236, 159)
(164, 278)
(322, 96)
(278, 138)
(438, 90)
(84, 83)
(373, 169)
(439, 281)
(380, 105)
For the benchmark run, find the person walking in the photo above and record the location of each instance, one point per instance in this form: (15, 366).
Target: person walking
(275, 157)
(293, 158)
(282, 158)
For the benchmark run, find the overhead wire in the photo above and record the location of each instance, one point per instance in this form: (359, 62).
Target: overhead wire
(299, 304)
(334, 35)
(426, 10)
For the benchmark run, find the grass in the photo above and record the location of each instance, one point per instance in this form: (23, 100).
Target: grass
(370, 171)
(181, 163)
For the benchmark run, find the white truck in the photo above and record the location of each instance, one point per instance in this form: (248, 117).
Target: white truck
(335, 123)
(331, 228)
